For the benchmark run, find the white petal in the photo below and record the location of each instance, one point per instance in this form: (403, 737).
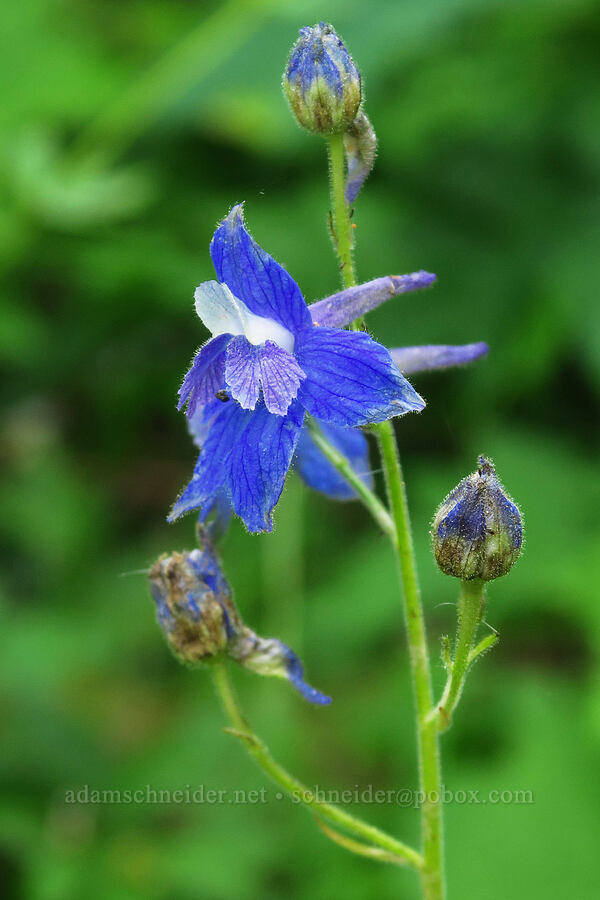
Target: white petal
(222, 313)
(216, 307)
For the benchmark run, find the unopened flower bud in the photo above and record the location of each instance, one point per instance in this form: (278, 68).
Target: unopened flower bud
(202, 624)
(477, 531)
(321, 82)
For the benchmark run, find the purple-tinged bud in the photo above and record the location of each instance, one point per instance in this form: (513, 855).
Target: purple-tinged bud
(321, 82)
(477, 531)
(202, 624)
(360, 144)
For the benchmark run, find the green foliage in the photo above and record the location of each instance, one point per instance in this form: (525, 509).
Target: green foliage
(113, 173)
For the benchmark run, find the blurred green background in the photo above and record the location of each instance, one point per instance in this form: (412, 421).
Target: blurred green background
(129, 129)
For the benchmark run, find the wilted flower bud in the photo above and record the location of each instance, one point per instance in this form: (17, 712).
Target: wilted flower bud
(477, 530)
(194, 605)
(321, 82)
(201, 622)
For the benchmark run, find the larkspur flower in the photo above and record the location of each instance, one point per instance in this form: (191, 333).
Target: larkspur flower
(202, 624)
(266, 366)
(311, 464)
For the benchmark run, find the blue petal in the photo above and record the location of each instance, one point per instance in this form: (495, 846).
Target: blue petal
(254, 276)
(342, 308)
(215, 515)
(206, 376)
(350, 379)
(315, 469)
(436, 356)
(268, 366)
(218, 427)
(260, 461)
(246, 453)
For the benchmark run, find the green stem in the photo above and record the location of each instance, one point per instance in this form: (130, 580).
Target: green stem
(484, 645)
(368, 498)
(295, 788)
(428, 743)
(342, 236)
(470, 609)
(432, 877)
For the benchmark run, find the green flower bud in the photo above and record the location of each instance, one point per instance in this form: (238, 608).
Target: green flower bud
(477, 531)
(321, 82)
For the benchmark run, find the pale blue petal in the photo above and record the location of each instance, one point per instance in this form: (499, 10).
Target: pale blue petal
(436, 356)
(350, 379)
(254, 276)
(318, 473)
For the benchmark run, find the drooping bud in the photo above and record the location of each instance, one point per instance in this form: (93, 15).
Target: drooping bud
(477, 531)
(321, 82)
(202, 624)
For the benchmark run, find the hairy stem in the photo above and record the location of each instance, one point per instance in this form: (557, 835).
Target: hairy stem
(295, 788)
(341, 227)
(367, 497)
(427, 734)
(470, 609)
(432, 875)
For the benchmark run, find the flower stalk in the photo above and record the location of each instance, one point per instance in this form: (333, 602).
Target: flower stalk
(342, 232)
(298, 791)
(432, 877)
(369, 499)
(470, 609)
(427, 736)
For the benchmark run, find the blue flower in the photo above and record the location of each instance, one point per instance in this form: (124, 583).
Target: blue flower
(202, 624)
(267, 365)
